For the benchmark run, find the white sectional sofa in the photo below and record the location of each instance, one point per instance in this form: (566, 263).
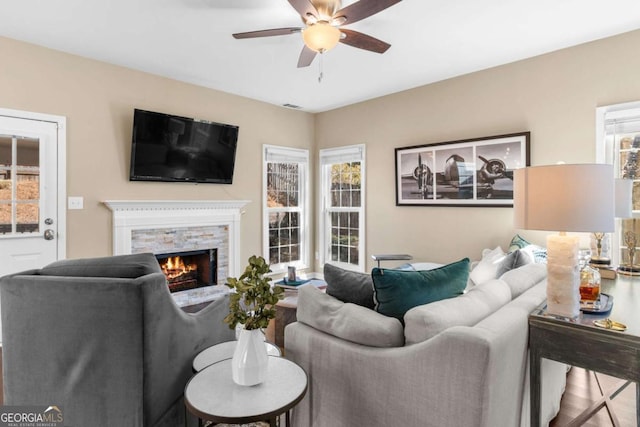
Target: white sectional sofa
(457, 362)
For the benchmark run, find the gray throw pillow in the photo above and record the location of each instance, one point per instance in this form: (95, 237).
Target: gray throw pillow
(349, 286)
(515, 259)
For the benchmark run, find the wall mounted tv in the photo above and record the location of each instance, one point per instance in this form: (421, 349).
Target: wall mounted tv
(180, 149)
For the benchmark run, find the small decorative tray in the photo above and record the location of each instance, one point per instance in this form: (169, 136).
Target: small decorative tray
(603, 305)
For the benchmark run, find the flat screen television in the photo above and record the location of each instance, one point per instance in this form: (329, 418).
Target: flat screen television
(180, 149)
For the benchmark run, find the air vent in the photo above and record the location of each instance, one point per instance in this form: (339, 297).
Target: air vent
(295, 107)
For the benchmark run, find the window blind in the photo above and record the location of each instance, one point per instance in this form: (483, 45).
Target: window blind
(285, 155)
(353, 153)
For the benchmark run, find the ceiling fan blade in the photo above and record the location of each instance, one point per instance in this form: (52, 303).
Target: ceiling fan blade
(306, 57)
(304, 8)
(267, 33)
(363, 41)
(363, 9)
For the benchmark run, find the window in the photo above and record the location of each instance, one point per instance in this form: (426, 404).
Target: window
(19, 185)
(286, 207)
(342, 218)
(618, 143)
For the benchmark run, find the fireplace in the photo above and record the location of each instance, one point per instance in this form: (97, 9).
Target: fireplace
(189, 269)
(171, 226)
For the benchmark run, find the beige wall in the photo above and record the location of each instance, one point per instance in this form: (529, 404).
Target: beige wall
(554, 96)
(98, 101)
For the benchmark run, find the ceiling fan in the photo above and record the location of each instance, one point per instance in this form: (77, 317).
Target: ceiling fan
(323, 30)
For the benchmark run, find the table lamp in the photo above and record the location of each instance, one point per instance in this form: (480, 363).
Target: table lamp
(624, 210)
(564, 198)
(601, 257)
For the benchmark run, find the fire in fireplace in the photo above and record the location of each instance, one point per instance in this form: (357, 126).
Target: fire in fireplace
(189, 270)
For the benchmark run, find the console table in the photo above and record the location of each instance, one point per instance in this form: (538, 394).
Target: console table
(391, 257)
(580, 343)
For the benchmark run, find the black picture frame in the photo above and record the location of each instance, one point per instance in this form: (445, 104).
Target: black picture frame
(474, 172)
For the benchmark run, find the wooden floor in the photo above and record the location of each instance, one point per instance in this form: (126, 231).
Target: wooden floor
(583, 391)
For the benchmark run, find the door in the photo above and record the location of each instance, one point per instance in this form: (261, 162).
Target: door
(29, 226)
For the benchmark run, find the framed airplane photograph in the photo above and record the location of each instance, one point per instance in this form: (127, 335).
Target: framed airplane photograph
(469, 172)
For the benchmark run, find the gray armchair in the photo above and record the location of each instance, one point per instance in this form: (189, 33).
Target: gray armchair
(102, 339)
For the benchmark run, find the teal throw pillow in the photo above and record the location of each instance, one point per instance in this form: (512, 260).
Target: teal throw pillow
(397, 291)
(517, 243)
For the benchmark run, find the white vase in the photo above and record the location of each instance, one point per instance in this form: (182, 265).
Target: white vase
(250, 359)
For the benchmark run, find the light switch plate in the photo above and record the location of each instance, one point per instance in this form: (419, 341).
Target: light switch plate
(75, 203)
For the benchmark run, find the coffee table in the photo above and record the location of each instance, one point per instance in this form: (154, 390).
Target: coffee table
(212, 395)
(580, 343)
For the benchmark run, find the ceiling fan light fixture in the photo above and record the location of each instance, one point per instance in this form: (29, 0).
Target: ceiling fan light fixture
(321, 36)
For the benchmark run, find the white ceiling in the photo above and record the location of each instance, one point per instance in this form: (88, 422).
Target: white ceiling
(190, 40)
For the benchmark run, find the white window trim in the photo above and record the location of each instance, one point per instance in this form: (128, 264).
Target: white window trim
(276, 153)
(327, 157)
(605, 154)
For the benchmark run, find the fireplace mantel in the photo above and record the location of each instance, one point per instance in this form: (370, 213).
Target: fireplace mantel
(159, 205)
(129, 215)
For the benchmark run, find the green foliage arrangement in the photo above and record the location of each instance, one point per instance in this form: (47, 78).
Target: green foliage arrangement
(253, 303)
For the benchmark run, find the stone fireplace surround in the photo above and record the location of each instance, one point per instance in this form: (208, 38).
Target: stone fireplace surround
(162, 226)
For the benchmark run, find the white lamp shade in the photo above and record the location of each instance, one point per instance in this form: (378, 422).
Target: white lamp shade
(576, 198)
(623, 208)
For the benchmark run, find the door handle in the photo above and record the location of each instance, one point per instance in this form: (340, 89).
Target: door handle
(49, 234)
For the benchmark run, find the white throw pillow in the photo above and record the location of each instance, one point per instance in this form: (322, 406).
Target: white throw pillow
(487, 268)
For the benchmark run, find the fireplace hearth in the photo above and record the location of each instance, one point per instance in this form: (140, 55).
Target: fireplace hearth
(189, 269)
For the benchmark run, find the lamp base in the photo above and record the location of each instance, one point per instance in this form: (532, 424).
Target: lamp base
(629, 270)
(563, 276)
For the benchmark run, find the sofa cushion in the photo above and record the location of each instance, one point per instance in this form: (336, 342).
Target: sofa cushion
(488, 266)
(349, 286)
(523, 278)
(119, 266)
(348, 321)
(396, 291)
(426, 321)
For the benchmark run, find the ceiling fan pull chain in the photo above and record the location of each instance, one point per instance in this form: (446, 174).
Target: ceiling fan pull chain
(320, 65)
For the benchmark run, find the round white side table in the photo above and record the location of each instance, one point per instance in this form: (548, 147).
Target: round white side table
(213, 396)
